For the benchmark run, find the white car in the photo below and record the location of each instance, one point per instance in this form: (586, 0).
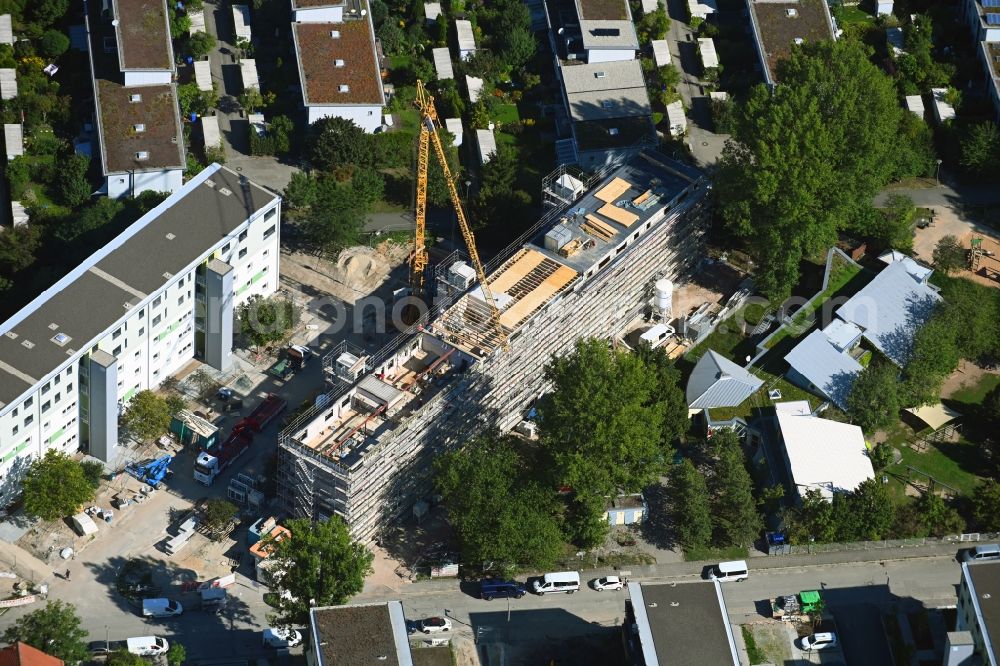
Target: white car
(434, 625)
(820, 641)
(607, 583)
(281, 638)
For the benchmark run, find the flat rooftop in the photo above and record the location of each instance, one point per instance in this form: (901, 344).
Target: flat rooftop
(337, 63)
(687, 623)
(986, 580)
(605, 90)
(361, 635)
(143, 34)
(777, 26)
(91, 298)
(602, 10)
(140, 127)
(600, 220)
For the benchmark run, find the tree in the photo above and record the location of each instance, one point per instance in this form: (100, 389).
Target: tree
(47, 12)
(53, 44)
(176, 654)
(219, 514)
(519, 46)
(199, 44)
(934, 355)
(301, 190)
(392, 38)
(504, 518)
(986, 506)
(193, 100)
(319, 565)
(689, 502)
(939, 518)
(180, 23)
(734, 510)
(867, 514)
(338, 142)
(873, 402)
(894, 229)
(93, 470)
(55, 486)
(336, 217)
(266, 320)
(369, 185)
(18, 247)
(54, 629)
(251, 99)
(949, 255)
(147, 416)
(812, 520)
(980, 147)
(882, 455)
(799, 166)
(71, 181)
(990, 408)
(100, 213)
(670, 395)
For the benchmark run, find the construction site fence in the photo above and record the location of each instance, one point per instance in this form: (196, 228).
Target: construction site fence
(958, 540)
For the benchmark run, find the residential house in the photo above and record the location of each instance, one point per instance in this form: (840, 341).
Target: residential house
(6, 30)
(432, 10)
(22, 654)
(157, 296)
(8, 83)
(338, 65)
(454, 126)
(778, 26)
(718, 382)
(241, 23)
(678, 623)
(978, 612)
(701, 9)
(820, 454)
(137, 115)
(626, 510)
(983, 17)
(373, 633)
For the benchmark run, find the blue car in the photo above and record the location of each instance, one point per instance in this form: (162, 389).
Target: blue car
(491, 589)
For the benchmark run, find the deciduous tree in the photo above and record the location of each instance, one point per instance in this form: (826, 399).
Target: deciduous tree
(71, 181)
(502, 516)
(737, 522)
(122, 657)
(813, 520)
(53, 44)
(986, 506)
(18, 247)
(949, 254)
(319, 565)
(55, 486)
(199, 44)
(866, 514)
(219, 514)
(689, 506)
(338, 142)
(53, 629)
(939, 518)
(336, 217)
(147, 416)
(266, 320)
(873, 402)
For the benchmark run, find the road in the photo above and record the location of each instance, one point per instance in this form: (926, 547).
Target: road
(952, 194)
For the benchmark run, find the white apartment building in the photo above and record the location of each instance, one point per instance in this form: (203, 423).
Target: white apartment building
(338, 64)
(160, 294)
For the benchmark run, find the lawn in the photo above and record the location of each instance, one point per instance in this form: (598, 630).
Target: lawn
(505, 114)
(853, 16)
(974, 394)
(951, 463)
(845, 279)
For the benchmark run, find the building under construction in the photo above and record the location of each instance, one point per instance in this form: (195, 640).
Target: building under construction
(586, 269)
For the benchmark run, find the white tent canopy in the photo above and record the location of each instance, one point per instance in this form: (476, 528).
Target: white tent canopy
(935, 416)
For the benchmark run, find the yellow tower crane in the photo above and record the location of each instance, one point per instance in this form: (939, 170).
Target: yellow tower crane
(418, 261)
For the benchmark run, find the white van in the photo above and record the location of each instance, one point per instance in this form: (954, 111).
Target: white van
(564, 581)
(161, 608)
(147, 646)
(725, 572)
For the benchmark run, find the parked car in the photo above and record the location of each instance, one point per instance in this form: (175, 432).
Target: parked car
(607, 583)
(161, 608)
(725, 572)
(491, 588)
(981, 553)
(434, 625)
(104, 648)
(281, 638)
(225, 394)
(820, 641)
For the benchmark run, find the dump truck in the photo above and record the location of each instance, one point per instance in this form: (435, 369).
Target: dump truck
(209, 465)
(797, 607)
(265, 412)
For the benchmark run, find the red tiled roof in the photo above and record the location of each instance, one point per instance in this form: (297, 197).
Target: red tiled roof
(22, 654)
(318, 52)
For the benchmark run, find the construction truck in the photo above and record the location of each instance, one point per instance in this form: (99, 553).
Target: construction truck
(265, 412)
(801, 607)
(209, 465)
(151, 472)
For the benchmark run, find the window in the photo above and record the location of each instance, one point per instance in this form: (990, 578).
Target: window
(270, 213)
(269, 232)
(29, 402)
(28, 420)
(136, 354)
(225, 248)
(57, 379)
(14, 413)
(157, 301)
(69, 389)
(142, 312)
(46, 406)
(142, 331)
(45, 388)
(56, 397)
(243, 253)
(180, 301)
(117, 334)
(156, 320)
(243, 236)
(338, 63)
(141, 155)
(117, 351)
(13, 431)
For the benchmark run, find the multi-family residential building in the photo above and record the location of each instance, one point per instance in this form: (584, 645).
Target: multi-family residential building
(678, 623)
(338, 64)
(983, 17)
(587, 269)
(978, 610)
(139, 134)
(779, 24)
(608, 116)
(337, 631)
(158, 295)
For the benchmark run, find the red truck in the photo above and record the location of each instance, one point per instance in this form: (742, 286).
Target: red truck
(265, 412)
(210, 465)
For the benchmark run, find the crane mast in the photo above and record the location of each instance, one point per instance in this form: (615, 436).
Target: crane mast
(418, 260)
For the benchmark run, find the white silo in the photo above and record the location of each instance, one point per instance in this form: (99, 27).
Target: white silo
(664, 297)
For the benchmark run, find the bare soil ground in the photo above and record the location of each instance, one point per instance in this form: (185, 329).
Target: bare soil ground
(948, 222)
(967, 374)
(356, 273)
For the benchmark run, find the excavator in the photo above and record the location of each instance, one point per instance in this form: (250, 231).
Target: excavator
(429, 124)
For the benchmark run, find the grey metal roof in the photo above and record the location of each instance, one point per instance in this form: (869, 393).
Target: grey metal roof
(6, 30)
(718, 382)
(832, 372)
(609, 35)
(465, 37)
(602, 76)
(891, 308)
(379, 390)
(88, 301)
(442, 63)
(687, 624)
(13, 139)
(606, 90)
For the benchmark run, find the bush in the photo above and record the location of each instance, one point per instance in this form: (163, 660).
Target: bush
(53, 44)
(276, 140)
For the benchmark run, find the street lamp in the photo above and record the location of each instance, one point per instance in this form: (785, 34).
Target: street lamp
(937, 172)
(107, 638)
